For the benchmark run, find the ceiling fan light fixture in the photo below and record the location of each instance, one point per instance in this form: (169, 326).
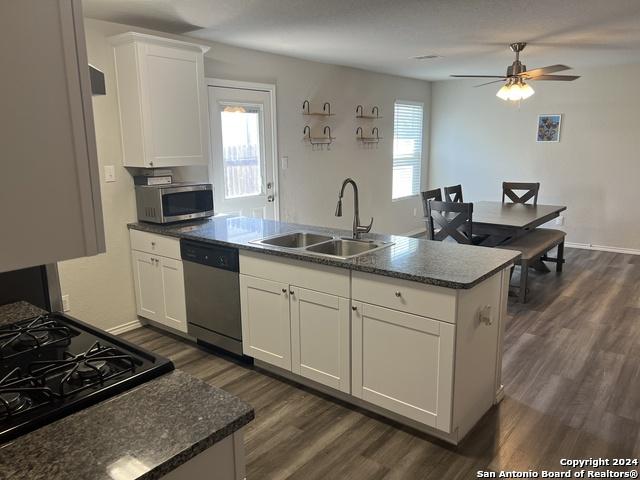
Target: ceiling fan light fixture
(515, 90)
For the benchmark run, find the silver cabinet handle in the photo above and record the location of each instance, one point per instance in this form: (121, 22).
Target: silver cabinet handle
(291, 292)
(284, 290)
(398, 294)
(354, 308)
(270, 198)
(153, 244)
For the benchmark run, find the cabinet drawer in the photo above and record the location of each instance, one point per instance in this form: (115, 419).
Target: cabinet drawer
(411, 297)
(156, 244)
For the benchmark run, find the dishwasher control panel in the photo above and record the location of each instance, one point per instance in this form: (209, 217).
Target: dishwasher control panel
(216, 256)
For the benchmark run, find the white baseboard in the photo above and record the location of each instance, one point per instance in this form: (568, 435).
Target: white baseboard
(125, 327)
(603, 248)
(415, 232)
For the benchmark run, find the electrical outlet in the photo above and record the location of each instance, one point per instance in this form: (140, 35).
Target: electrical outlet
(109, 173)
(560, 220)
(66, 306)
(284, 162)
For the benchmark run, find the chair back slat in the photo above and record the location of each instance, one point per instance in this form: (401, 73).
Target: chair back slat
(427, 195)
(454, 219)
(530, 190)
(453, 193)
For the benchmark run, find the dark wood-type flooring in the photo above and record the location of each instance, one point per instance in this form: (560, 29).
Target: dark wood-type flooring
(572, 383)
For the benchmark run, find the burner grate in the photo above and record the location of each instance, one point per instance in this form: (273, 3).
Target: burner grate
(20, 394)
(91, 368)
(32, 334)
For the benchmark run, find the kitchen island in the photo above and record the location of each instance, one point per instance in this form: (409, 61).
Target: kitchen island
(175, 426)
(412, 331)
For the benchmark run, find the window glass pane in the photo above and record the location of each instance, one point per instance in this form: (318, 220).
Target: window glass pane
(241, 154)
(407, 149)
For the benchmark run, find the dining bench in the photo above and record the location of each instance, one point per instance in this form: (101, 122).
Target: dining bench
(534, 247)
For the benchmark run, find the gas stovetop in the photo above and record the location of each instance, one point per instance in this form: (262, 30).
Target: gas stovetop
(53, 365)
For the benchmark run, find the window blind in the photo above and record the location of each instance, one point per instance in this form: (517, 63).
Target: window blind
(407, 148)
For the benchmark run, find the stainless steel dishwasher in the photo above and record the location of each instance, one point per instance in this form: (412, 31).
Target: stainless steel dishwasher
(212, 290)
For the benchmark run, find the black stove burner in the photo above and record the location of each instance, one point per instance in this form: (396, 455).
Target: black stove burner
(32, 334)
(33, 338)
(20, 394)
(90, 368)
(54, 365)
(13, 401)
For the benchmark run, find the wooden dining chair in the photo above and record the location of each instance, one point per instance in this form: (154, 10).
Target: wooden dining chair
(450, 220)
(530, 191)
(453, 193)
(427, 195)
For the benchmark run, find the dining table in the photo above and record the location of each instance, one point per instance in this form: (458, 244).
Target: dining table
(501, 222)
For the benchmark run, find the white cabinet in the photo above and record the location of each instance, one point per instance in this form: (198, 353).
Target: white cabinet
(162, 101)
(50, 196)
(266, 329)
(158, 280)
(404, 363)
(320, 337)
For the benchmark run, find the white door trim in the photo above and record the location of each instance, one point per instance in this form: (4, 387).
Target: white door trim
(263, 87)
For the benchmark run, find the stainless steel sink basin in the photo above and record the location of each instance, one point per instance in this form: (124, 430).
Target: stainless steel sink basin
(346, 248)
(294, 240)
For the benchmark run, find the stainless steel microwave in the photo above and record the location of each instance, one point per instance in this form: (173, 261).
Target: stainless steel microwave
(174, 202)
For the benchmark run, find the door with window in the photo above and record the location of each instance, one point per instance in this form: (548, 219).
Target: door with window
(242, 140)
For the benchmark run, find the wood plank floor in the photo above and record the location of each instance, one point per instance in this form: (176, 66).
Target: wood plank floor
(572, 382)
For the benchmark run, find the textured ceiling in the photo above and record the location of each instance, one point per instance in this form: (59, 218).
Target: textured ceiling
(471, 36)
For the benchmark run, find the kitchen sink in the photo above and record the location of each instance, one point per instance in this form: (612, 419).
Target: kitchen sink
(295, 240)
(346, 248)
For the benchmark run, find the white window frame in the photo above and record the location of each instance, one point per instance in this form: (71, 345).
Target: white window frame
(420, 104)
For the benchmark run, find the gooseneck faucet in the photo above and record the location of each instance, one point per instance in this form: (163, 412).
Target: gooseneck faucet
(357, 228)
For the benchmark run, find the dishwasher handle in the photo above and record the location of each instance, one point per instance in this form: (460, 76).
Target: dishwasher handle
(224, 258)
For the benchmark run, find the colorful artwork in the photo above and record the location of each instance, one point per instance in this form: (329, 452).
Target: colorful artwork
(549, 128)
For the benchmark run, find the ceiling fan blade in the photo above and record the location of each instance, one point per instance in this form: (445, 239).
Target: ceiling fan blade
(559, 78)
(544, 71)
(488, 83)
(478, 76)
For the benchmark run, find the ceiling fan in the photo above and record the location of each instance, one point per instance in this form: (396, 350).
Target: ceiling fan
(515, 87)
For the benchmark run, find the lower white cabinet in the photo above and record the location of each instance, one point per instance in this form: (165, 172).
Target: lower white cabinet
(159, 287)
(404, 363)
(320, 337)
(266, 329)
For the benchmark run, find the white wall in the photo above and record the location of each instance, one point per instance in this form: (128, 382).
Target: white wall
(101, 288)
(479, 140)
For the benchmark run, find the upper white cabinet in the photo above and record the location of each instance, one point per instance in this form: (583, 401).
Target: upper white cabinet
(162, 101)
(50, 195)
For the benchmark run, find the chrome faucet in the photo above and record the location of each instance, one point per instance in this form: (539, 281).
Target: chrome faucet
(357, 228)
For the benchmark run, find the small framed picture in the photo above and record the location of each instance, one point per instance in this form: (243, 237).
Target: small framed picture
(549, 128)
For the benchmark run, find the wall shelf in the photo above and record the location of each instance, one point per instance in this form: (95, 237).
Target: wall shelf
(373, 139)
(375, 113)
(326, 110)
(318, 142)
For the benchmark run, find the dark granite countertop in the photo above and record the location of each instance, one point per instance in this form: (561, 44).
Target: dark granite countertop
(14, 312)
(143, 433)
(443, 264)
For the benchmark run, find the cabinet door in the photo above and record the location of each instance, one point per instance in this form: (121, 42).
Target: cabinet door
(404, 363)
(148, 284)
(266, 329)
(173, 105)
(50, 195)
(174, 312)
(320, 337)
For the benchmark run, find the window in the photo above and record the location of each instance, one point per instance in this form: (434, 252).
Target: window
(243, 165)
(407, 148)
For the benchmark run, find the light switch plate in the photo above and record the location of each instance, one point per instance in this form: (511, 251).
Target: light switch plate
(109, 173)
(284, 161)
(65, 303)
